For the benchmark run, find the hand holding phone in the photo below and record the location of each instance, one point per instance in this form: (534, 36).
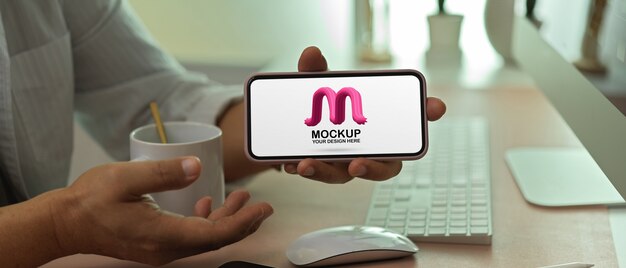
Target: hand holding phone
(337, 115)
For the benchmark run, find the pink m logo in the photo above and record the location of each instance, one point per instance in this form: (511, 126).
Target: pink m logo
(337, 105)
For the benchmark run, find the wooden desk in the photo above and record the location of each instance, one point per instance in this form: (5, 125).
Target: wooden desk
(524, 235)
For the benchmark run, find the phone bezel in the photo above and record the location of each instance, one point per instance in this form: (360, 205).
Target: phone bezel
(284, 75)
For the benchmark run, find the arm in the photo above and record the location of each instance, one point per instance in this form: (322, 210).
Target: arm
(119, 69)
(232, 125)
(27, 233)
(105, 212)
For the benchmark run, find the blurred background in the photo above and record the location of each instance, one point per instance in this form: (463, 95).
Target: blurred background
(464, 45)
(228, 40)
(254, 34)
(245, 32)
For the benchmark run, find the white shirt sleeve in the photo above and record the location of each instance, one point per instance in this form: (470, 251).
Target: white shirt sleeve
(119, 69)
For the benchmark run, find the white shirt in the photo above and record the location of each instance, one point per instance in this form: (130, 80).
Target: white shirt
(92, 60)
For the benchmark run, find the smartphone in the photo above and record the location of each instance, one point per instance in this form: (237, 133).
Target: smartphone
(337, 115)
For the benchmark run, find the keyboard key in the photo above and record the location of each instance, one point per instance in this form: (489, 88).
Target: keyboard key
(418, 210)
(476, 216)
(395, 224)
(478, 182)
(383, 204)
(458, 210)
(459, 196)
(437, 223)
(440, 191)
(415, 231)
(439, 210)
(436, 231)
(414, 224)
(458, 223)
(441, 184)
(479, 202)
(479, 196)
(478, 209)
(458, 217)
(401, 211)
(422, 183)
(403, 195)
(418, 217)
(397, 217)
(440, 197)
(438, 216)
(479, 230)
(458, 183)
(439, 203)
(478, 222)
(458, 231)
(459, 203)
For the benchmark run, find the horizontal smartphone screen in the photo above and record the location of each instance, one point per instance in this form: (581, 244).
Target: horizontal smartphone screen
(336, 116)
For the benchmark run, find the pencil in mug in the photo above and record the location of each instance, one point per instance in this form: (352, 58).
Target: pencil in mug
(154, 109)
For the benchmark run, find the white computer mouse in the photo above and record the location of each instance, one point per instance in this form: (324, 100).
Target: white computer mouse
(348, 244)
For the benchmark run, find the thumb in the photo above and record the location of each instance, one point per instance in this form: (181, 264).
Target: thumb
(312, 60)
(137, 178)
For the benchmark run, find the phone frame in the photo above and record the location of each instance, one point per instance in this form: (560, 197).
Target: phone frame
(286, 75)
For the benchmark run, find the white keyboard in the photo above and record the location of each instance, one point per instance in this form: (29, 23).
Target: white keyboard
(445, 196)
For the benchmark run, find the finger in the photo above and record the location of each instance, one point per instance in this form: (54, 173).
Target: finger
(241, 224)
(336, 172)
(312, 60)
(374, 170)
(195, 235)
(435, 108)
(138, 178)
(203, 207)
(234, 202)
(291, 168)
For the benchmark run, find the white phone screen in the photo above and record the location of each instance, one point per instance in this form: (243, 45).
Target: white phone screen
(336, 115)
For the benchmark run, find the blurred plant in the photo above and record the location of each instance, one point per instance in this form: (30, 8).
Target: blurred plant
(441, 4)
(444, 31)
(530, 9)
(530, 13)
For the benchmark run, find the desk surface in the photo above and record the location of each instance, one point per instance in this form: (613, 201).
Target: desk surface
(524, 235)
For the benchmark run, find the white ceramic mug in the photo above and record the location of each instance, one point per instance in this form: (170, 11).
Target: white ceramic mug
(184, 139)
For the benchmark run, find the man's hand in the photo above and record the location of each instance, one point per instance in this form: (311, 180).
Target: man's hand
(106, 212)
(312, 60)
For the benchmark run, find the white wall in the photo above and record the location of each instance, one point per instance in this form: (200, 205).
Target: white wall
(248, 32)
